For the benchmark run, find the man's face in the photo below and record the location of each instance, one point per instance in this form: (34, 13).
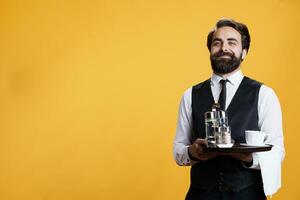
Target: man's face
(226, 51)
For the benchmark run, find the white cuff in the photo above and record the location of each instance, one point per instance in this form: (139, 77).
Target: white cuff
(255, 163)
(182, 158)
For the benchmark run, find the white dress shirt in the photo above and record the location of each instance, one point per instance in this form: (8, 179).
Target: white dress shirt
(269, 113)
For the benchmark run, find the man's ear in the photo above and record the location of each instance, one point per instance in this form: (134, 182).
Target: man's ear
(244, 53)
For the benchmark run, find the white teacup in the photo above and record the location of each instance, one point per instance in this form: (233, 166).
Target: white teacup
(255, 137)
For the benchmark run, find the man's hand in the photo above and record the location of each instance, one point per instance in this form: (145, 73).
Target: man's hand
(196, 150)
(245, 157)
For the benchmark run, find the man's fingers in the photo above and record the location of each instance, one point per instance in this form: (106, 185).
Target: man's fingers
(198, 148)
(201, 141)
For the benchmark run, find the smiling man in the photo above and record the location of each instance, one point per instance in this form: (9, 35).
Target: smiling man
(250, 105)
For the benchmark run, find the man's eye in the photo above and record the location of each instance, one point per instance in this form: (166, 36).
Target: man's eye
(232, 43)
(216, 43)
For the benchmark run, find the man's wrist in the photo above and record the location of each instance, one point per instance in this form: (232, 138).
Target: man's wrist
(248, 163)
(191, 157)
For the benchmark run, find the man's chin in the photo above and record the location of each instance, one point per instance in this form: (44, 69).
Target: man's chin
(222, 70)
(221, 73)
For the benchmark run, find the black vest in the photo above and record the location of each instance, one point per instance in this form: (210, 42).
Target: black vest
(242, 115)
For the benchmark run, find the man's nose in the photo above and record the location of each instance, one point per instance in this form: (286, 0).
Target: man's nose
(224, 47)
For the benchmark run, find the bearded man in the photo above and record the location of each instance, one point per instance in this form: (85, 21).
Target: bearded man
(250, 105)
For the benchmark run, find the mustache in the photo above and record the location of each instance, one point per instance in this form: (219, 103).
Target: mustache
(222, 53)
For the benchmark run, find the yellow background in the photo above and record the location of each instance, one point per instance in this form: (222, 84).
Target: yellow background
(90, 91)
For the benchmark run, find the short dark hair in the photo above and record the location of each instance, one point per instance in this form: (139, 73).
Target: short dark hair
(240, 27)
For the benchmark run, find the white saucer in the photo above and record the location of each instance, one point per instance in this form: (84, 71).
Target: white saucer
(225, 145)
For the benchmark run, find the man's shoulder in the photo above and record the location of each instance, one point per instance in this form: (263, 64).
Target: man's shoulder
(201, 84)
(252, 81)
(267, 91)
(188, 92)
(264, 89)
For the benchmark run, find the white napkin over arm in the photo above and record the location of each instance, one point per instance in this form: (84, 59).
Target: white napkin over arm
(270, 122)
(270, 166)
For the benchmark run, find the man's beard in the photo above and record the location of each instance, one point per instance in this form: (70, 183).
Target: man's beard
(224, 65)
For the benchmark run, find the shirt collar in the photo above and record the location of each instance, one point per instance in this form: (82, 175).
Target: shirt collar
(233, 78)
